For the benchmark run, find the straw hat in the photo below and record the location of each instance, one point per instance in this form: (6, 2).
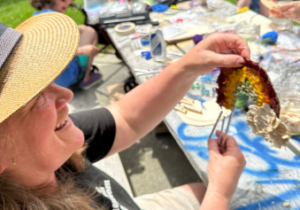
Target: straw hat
(32, 56)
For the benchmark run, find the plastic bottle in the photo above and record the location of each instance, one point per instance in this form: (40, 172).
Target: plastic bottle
(158, 46)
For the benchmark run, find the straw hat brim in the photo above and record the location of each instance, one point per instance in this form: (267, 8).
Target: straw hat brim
(48, 45)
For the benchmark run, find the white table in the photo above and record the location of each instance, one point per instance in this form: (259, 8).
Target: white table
(271, 177)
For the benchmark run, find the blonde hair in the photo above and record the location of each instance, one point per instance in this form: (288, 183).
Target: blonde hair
(68, 196)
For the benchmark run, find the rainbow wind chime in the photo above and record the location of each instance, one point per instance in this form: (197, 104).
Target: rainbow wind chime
(250, 79)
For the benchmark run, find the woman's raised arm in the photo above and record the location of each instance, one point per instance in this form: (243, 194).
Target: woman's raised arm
(140, 110)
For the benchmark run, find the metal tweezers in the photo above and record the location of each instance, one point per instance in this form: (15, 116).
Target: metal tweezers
(222, 140)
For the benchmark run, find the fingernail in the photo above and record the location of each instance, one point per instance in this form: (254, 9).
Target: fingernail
(240, 61)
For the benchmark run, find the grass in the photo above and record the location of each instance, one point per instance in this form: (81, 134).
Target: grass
(14, 12)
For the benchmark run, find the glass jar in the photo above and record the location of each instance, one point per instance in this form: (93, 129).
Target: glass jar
(290, 109)
(158, 45)
(251, 33)
(283, 23)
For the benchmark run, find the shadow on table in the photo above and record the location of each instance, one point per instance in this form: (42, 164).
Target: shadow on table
(155, 163)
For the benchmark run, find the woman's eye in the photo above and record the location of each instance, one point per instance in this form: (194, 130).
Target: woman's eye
(39, 100)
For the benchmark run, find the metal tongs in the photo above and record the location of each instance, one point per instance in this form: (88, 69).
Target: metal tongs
(221, 138)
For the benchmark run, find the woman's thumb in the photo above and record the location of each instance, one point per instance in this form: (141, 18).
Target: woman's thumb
(231, 60)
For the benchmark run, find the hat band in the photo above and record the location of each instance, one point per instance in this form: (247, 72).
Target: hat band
(8, 40)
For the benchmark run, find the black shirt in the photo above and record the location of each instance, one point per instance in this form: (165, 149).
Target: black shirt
(99, 130)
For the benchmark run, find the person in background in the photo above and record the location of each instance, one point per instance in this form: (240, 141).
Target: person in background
(79, 71)
(288, 10)
(254, 5)
(41, 146)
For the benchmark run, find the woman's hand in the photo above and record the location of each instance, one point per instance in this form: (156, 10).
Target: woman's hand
(88, 50)
(217, 50)
(224, 170)
(276, 13)
(289, 10)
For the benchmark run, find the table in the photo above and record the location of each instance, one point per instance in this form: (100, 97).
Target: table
(271, 178)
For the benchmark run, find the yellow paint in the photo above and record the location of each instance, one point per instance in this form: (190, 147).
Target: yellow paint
(243, 9)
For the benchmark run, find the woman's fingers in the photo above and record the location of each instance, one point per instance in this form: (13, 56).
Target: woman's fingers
(276, 13)
(231, 144)
(286, 6)
(213, 147)
(229, 42)
(231, 60)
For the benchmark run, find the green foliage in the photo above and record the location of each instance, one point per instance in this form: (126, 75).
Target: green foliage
(233, 1)
(14, 12)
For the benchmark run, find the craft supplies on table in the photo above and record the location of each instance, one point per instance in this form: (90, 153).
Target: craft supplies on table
(170, 32)
(125, 28)
(270, 37)
(141, 72)
(199, 112)
(251, 17)
(271, 176)
(191, 31)
(251, 33)
(158, 46)
(205, 86)
(92, 8)
(159, 7)
(145, 39)
(146, 55)
(290, 109)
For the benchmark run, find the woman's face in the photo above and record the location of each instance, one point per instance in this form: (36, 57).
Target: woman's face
(41, 138)
(61, 5)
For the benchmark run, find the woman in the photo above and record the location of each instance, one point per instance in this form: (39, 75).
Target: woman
(79, 70)
(41, 166)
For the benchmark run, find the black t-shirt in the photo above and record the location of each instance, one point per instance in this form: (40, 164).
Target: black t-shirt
(99, 130)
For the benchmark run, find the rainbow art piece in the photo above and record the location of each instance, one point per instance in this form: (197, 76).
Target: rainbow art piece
(250, 79)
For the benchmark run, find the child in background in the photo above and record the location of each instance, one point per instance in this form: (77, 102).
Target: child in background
(79, 70)
(254, 5)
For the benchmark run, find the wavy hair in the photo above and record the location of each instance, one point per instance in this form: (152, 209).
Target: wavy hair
(68, 195)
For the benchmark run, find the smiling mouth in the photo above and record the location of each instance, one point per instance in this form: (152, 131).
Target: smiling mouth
(62, 124)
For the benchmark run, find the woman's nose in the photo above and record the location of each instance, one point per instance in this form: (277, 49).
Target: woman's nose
(63, 96)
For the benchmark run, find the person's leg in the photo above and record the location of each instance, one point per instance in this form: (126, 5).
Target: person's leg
(243, 3)
(88, 36)
(263, 10)
(254, 5)
(196, 189)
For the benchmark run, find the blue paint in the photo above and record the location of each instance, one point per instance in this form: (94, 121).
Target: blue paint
(214, 92)
(195, 97)
(182, 136)
(203, 89)
(207, 92)
(282, 181)
(206, 78)
(296, 138)
(269, 156)
(202, 151)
